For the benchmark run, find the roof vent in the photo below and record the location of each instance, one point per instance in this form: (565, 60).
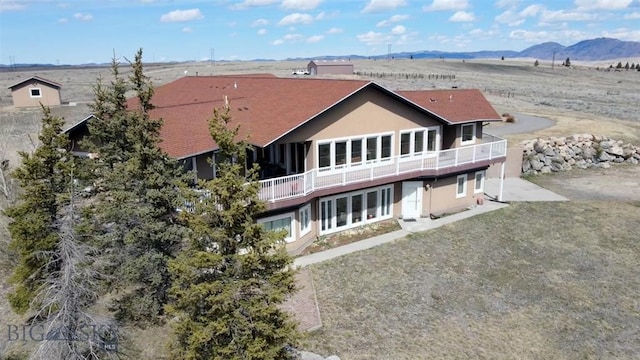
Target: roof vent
(235, 85)
(450, 98)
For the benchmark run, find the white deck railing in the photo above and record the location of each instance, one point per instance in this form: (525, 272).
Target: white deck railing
(292, 186)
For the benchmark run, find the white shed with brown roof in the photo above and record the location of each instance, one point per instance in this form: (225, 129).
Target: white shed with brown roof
(34, 91)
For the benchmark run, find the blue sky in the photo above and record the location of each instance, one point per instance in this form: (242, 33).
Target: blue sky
(82, 31)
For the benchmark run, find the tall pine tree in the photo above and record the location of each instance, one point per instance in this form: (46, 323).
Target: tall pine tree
(135, 210)
(233, 274)
(42, 177)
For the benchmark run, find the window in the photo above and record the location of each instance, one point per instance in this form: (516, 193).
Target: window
(35, 92)
(386, 147)
(356, 151)
(468, 134)
(324, 155)
(418, 142)
(305, 219)
(372, 204)
(355, 208)
(405, 143)
(278, 223)
(372, 148)
(479, 182)
(341, 153)
(412, 142)
(461, 186)
(325, 215)
(386, 201)
(341, 211)
(338, 153)
(432, 145)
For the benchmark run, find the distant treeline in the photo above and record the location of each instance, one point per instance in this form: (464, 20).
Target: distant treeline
(406, 75)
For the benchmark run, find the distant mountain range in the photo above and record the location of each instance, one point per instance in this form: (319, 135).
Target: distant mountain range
(587, 50)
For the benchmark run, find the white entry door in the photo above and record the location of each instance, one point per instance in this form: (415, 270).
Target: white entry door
(411, 199)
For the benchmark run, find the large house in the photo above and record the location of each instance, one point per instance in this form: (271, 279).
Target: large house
(338, 154)
(35, 91)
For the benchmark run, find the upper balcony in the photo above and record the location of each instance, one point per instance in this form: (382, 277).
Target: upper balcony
(285, 190)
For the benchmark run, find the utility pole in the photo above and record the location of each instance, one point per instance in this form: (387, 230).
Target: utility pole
(389, 51)
(553, 61)
(211, 58)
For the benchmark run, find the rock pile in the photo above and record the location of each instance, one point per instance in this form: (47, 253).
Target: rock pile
(581, 151)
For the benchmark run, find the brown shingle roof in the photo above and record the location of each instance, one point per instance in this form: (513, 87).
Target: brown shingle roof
(265, 108)
(454, 106)
(39, 79)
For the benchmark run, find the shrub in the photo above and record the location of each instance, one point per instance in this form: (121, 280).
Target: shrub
(510, 119)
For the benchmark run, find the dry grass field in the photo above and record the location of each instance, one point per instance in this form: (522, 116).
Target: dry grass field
(531, 281)
(534, 281)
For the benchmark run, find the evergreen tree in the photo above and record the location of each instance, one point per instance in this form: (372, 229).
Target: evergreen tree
(135, 210)
(536, 63)
(42, 178)
(73, 332)
(233, 274)
(567, 62)
(619, 66)
(626, 66)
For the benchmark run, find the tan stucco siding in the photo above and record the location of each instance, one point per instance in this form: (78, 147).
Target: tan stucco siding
(22, 95)
(458, 135)
(443, 195)
(369, 112)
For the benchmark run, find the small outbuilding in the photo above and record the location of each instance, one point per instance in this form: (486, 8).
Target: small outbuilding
(35, 90)
(336, 67)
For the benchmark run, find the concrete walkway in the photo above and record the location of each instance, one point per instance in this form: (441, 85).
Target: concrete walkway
(408, 227)
(517, 189)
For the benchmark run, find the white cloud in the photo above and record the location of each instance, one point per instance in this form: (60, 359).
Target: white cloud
(187, 30)
(277, 42)
(83, 16)
(532, 10)
(262, 32)
(300, 4)
(603, 4)
(372, 38)
(315, 38)
(292, 37)
(510, 18)
(321, 15)
(398, 30)
(442, 5)
(260, 22)
(506, 3)
(383, 5)
(462, 16)
(623, 34)
(334, 30)
(634, 15)
(296, 18)
(561, 15)
(63, 21)
(393, 19)
(252, 3)
(182, 15)
(11, 6)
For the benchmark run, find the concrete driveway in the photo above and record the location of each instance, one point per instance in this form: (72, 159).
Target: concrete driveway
(524, 124)
(517, 189)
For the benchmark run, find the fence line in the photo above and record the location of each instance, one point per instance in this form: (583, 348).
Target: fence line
(406, 75)
(498, 92)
